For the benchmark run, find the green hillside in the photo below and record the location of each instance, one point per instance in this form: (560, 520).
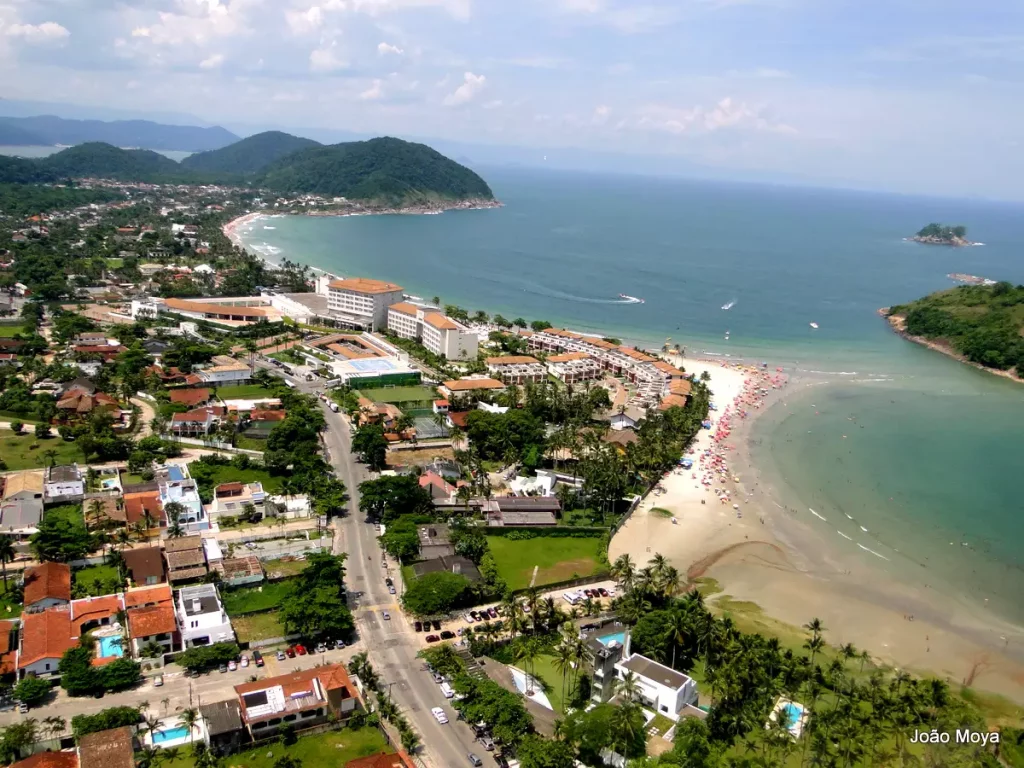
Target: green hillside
(99, 159)
(384, 170)
(984, 323)
(249, 155)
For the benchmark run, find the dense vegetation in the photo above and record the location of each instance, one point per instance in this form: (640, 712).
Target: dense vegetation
(249, 155)
(28, 199)
(382, 171)
(386, 170)
(49, 130)
(943, 232)
(984, 323)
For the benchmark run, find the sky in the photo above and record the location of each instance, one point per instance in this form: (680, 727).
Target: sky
(895, 95)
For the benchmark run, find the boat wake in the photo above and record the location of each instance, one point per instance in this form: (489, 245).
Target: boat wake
(729, 305)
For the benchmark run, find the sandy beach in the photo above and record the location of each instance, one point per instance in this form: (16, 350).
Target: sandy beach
(724, 520)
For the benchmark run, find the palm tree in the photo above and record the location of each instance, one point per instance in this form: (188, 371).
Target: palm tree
(623, 571)
(628, 687)
(94, 512)
(676, 632)
(54, 725)
(190, 718)
(527, 651)
(51, 456)
(564, 661)
(7, 554)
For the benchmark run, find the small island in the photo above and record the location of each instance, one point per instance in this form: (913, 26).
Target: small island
(978, 324)
(942, 234)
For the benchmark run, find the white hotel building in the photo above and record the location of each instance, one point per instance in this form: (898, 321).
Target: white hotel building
(361, 302)
(438, 333)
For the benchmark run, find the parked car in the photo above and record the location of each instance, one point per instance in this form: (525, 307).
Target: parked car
(158, 681)
(437, 624)
(469, 618)
(245, 660)
(476, 616)
(488, 742)
(257, 657)
(224, 667)
(300, 649)
(391, 590)
(22, 707)
(474, 760)
(603, 591)
(432, 638)
(492, 612)
(232, 666)
(321, 648)
(339, 644)
(290, 650)
(280, 656)
(447, 635)
(418, 625)
(387, 616)
(388, 581)
(439, 715)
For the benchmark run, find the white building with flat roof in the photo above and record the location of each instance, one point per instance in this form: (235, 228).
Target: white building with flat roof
(439, 333)
(201, 617)
(361, 302)
(662, 689)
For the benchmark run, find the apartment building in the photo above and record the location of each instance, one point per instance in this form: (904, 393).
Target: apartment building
(516, 369)
(360, 302)
(573, 367)
(440, 334)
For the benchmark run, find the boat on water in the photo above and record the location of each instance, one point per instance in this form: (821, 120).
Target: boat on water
(729, 305)
(633, 299)
(814, 325)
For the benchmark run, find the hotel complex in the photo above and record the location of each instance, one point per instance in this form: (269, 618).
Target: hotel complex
(361, 302)
(441, 335)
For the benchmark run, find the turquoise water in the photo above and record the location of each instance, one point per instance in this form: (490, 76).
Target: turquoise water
(618, 637)
(170, 734)
(111, 645)
(931, 447)
(791, 714)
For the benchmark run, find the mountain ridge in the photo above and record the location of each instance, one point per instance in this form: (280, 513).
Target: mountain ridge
(50, 130)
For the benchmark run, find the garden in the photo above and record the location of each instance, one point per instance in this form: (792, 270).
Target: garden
(558, 558)
(26, 451)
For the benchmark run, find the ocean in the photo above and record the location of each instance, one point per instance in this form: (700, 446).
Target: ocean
(910, 456)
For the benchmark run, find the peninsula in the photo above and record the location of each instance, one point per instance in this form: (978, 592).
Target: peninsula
(978, 324)
(942, 234)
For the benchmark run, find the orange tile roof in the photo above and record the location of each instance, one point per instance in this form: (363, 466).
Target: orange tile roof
(190, 396)
(48, 760)
(364, 285)
(214, 308)
(568, 356)
(47, 580)
(405, 308)
(151, 620)
(511, 360)
(635, 354)
(683, 387)
(45, 635)
(439, 321)
(468, 385)
(160, 593)
(107, 749)
(136, 504)
(672, 401)
(7, 648)
(383, 760)
(668, 368)
(93, 609)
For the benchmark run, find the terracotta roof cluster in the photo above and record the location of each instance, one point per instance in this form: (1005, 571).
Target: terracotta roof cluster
(80, 401)
(47, 580)
(214, 308)
(191, 397)
(49, 760)
(260, 414)
(637, 355)
(468, 385)
(363, 285)
(137, 504)
(45, 635)
(143, 564)
(568, 357)
(668, 368)
(107, 749)
(152, 620)
(196, 416)
(93, 609)
(684, 387)
(405, 308)
(383, 760)
(8, 647)
(99, 349)
(672, 401)
(439, 321)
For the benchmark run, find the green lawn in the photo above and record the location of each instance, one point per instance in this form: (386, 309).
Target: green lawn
(325, 750)
(259, 626)
(400, 394)
(261, 598)
(26, 451)
(9, 331)
(543, 668)
(127, 478)
(559, 558)
(285, 567)
(243, 392)
(9, 609)
(97, 580)
(214, 475)
(247, 443)
(114, 262)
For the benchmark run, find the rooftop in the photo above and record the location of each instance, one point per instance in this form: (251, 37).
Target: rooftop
(190, 397)
(48, 760)
(300, 690)
(45, 635)
(107, 749)
(468, 385)
(184, 543)
(31, 482)
(439, 321)
(405, 308)
(67, 473)
(199, 600)
(151, 620)
(222, 716)
(512, 360)
(363, 285)
(652, 670)
(45, 580)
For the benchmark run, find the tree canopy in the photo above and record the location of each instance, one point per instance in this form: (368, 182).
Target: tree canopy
(436, 593)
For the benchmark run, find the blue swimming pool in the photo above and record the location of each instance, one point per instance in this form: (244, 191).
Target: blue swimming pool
(790, 714)
(111, 645)
(618, 637)
(170, 734)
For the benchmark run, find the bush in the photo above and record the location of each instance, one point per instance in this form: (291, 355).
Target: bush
(16, 427)
(206, 656)
(115, 717)
(31, 690)
(42, 430)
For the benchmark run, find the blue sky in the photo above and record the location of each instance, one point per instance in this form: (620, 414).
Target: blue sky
(892, 94)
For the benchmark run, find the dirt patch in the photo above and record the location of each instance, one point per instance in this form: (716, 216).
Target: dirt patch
(420, 457)
(702, 566)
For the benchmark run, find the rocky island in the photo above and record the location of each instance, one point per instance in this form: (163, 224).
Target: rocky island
(942, 234)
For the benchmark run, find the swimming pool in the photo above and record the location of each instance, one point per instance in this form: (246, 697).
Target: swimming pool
(790, 714)
(618, 637)
(111, 645)
(170, 734)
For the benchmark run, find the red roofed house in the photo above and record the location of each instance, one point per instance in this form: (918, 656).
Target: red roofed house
(302, 699)
(77, 402)
(197, 422)
(151, 619)
(45, 636)
(47, 585)
(191, 397)
(8, 647)
(393, 760)
(105, 351)
(48, 760)
(438, 487)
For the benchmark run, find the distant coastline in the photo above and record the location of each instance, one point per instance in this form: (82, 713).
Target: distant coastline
(899, 324)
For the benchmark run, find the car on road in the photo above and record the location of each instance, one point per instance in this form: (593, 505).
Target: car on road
(474, 760)
(469, 618)
(437, 625)
(22, 707)
(290, 651)
(387, 616)
(223, 668)
(492, 612)
(488, 742)
(447, 635)
(158, 681)
(391, 590)
(232, 666)
(388, 581)
(437, 678)
(432, 638)
(300, 649)
(603, 591)
(257, 657)
(439, 715)
(418, 625)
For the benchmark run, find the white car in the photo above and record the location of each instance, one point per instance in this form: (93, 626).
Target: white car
(469, 619)
(439, 715)
(232, 666)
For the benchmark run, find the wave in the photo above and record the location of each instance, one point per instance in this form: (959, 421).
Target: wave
(876, 554)
(844, 535)
(864, 529)
(729, 304)
(266, 227)
(817, 515)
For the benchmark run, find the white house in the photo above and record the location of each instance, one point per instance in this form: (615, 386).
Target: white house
(175, 485)
(64, 481)
(628, 419)
(361, 302)
(231, 499)
(291, 506)
(662, 689)
(226, 373)
(201, 617)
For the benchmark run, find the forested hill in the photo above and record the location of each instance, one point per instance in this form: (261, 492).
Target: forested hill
(386, 170)
(249, 155)
(984, 323)
(49, 130)
(383, 172)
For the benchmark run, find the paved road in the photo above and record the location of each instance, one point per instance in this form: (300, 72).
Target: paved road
(392, 645)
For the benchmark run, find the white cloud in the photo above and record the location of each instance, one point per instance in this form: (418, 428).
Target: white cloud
(726, 114)
(601, 114)
(386, 48)
(326, 59)
(212, 62)
(493, 104)
(459, 9)
(465, 93)
(768, 73)
(304, 22)
(47, 32)
(198, 21)
(374, 93)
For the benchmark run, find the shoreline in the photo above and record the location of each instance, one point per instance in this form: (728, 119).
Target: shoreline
(790, 571)
(898, 323)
